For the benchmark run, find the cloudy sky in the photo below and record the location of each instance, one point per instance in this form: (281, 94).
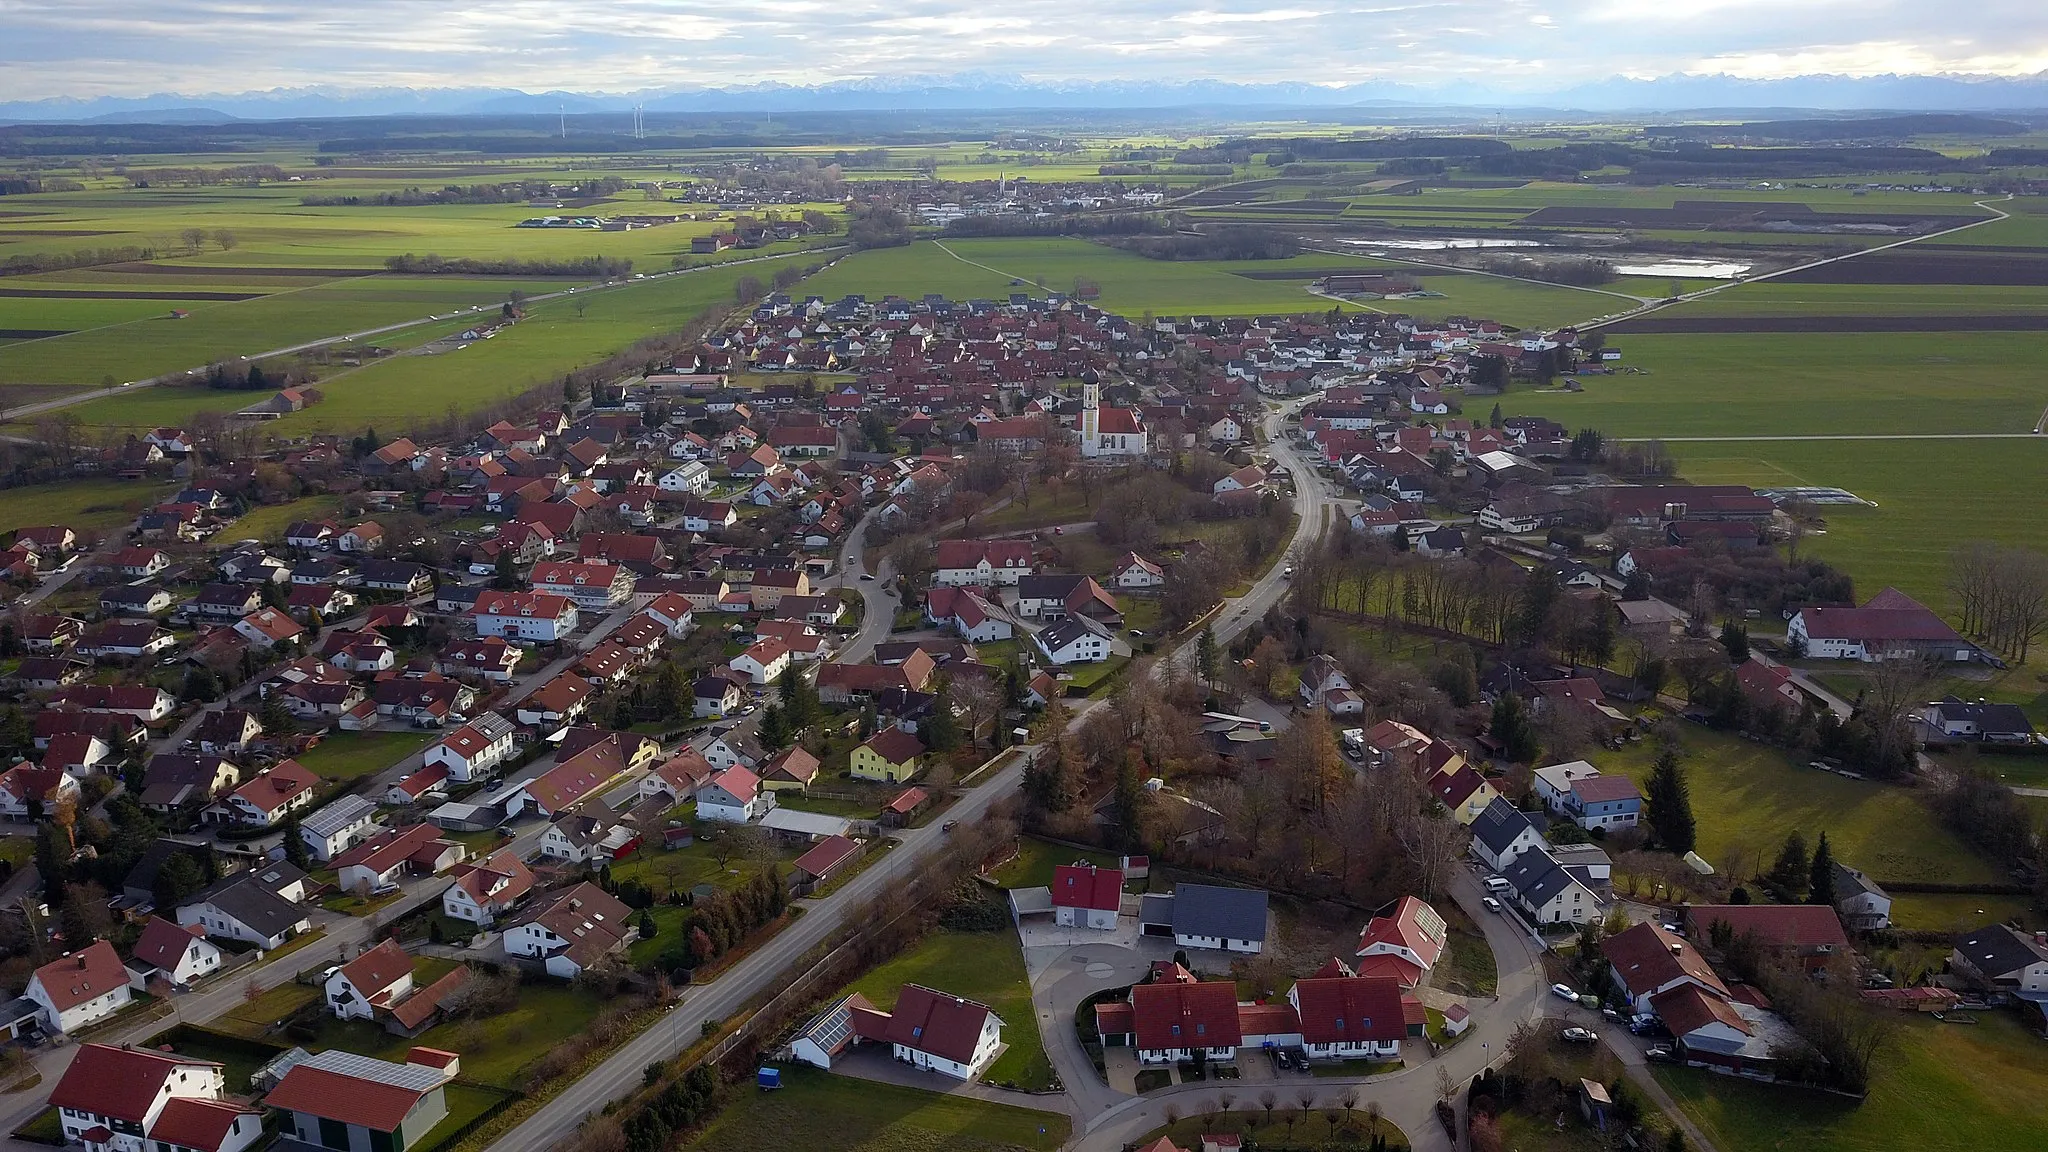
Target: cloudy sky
(133, 47)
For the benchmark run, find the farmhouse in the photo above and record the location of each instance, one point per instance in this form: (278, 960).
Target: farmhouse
(1890, 625)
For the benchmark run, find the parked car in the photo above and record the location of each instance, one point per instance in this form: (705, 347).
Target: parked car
(867, 576)
(1579, 1036)
(1661, 1053)
(1613, 1014)
(1565, 992)
(1491, 904)
(1647, 1025)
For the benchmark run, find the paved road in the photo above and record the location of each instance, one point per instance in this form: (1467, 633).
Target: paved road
(37, 409)
(878, 604)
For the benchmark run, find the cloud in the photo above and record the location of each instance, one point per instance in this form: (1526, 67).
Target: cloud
(136, 47)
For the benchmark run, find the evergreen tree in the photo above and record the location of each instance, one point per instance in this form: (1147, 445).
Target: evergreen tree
(505, 575)
(1538, 601)
(53, 861)
(1511, 727)
(1047, 780)
(1788, 874)
(941, 733)
(1636, 585)
(1127, 807)
(774, 730)
(1735, 638)
(295, 849)
(1820, 877)
(179, 877)
(647, 928)
(1205, 655)
(275, 718)
(1496, 420)
(1600, 638)
(1669, 804)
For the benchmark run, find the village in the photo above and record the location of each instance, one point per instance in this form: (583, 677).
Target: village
(585, 707)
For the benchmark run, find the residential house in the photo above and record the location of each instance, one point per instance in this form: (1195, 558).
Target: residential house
(983, 563)
(792, 769)
(734, 795)
(715, 696)
(763, 662)
(593, 587)
(26, 787)
(1953, 719)
(381, 862)
(1647, 961)
(1350, 1018)
(1324, 684)
(79, 988)
(1134, 573)
(933, 1031)
(1863, 905)
(1212, 916)
(474, 749)
(1087, 896)
(1463, 792)
(1807, 934)
(340, 1100)
(890, 756)
(2004, 959)
(1072, 640)
(271, 795)
(486, 890)
(1889, 625)
(571, 930)
(525, 616)
(339, 826)
(1548, 892)
(590, 836)
(260, 907)
(138, 1099)
(1403, 945)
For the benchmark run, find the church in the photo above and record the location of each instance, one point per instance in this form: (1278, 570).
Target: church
(1109, 433)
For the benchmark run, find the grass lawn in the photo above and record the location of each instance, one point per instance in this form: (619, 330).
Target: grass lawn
(682, 868)
(1353, 1067)
(239, 1058)
(466, 1103)
(1089, 677)
(1036, 859)
(1288, 1128)
(983, 966)
(1747, 797)
(78, 504)
(494, 1050)
(351, 755)
(1940, 1088)
(253, 1018)
(268, 521)
(1064, 506)
(816, 1109)
(45, 1128)
(1919, 520)
(1470, 969)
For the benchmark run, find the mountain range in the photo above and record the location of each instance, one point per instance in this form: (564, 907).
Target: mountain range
(981, 91)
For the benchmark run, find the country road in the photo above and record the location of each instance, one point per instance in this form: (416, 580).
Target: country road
(26, 411)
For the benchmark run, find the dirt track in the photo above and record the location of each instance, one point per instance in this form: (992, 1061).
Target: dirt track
(1656, 323)
(1914, 266)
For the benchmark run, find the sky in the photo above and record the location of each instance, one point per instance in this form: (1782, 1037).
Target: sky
(88, 48)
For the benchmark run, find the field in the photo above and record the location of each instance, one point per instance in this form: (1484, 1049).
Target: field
(1931, 495)
(1036, 860)
(1748, 797)
(816, 1109)
(983, 966)
(1940, 1088)
(269, 521)
(495, 1051)
(80, 504)
(351, 755)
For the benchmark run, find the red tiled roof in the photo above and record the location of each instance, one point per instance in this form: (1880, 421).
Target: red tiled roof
(828, 854)
(189, 1123)
(1087, 886)
(895, 745)
(378, 968)
(929, 1021)
(90, 972)
(1186, 1015)
(1776, 925)
(1688, 1008)
(163, 942)
(120, 1083)
(1349, 1011)
(372, 1104)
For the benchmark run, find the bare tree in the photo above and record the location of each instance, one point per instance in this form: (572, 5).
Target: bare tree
(1896, 687)
(1306, 1100)
(225, 239)
(1268, 1100)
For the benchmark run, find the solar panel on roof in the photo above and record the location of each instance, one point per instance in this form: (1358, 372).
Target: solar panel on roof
(409, 1076)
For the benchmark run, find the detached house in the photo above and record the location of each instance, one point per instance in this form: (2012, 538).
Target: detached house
(571, 931)
(80, 988)
(933, 1031)
(272, 795)
(1349, 1018)
(889, 756)
(734, 795)
(129, 1099)
(536, 616)
(983, 563)
(486, 890)
(1085, 896)
(2003, 958)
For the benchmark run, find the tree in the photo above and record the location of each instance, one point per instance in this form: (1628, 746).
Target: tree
(1511, 728)
(225, 239)
(774, 731)
(53, 860)
(179, 877)
(1735, 638)
(1820, 877)
(295, 849)
(1268, 1100)
(1669, 806)
(748, 289)
(1205, 655)
(648, 931)
(941, 732)
(1127, 808)
(1788, 874)
(194, 238)
(85, 917)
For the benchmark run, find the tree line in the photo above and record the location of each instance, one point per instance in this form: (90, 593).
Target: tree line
(509, 193)
(2004, 595)
(435, 264)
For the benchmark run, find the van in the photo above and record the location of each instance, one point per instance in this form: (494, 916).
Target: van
(1496, 885)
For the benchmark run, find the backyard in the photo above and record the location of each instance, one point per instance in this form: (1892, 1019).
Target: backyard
(817, 1110)
(1036, 859)
(352, 755)
(1938, 1088)
(983, 966)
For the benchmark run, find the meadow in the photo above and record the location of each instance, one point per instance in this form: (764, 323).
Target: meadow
(983, 966)
(817, 1109)
(1936, 1088)
(1806, 384)
(83, 505)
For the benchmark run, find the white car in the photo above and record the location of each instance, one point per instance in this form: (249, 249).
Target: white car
(1564, 992)
(1579, 1036)
(1491, 905)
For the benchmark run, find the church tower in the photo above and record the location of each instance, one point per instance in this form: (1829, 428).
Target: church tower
(1091, 419)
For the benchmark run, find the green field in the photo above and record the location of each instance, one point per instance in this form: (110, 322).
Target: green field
(1940, 1088)
(1748, 797)
(1820, 384)
(269, 521)
(351, 755)
(984, 966)
(818, 1110)
(1931, 495)
(78, 504)
(1036, 859)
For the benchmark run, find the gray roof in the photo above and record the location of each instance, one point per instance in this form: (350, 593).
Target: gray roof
(1048, 586)
(1537, 878)
(245, 898)
(1989, 718)
(1064, 632)
(491, 725)
(1499, 825)
(1230, 913)
(415, 1077)
(1849, 882)
(1155, 909)
(805, 823)
(1999, 949)
(338, 815)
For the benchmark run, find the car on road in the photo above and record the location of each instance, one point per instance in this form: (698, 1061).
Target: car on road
(949, 825)
(1579, 1036)
(1287, 573)
(1491, 904)
(867, 576)
(1565, 992)
(1613, 1014)
(1648, 1025)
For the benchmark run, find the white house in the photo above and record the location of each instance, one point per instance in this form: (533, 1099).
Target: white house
(1501, 833)
(734, 795)
(338, 827)
(136, 1099)
(692, 476)
(764, 662)
(1074, 640)
(1134, 573)
(179, 954)
(524, 616)
(474, 749)
(1085, 896)
(1553, 784)
(1549, 892)
(1350, 1017)
(571, 929)
(933, 1031)
(77, 989)
(381, 974)
(982, 563)
(483, 891)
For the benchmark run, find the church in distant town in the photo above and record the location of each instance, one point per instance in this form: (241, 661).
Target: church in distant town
(1109, 433)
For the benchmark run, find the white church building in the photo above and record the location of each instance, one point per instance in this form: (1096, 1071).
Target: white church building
(1109, 432)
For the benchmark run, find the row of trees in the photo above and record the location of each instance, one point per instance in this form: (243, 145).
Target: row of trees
(2004, 595)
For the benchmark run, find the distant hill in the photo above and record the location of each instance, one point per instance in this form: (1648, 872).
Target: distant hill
(1846, 128)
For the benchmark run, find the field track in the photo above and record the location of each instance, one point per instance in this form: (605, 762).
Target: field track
(117, 294)
(1664, 324)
